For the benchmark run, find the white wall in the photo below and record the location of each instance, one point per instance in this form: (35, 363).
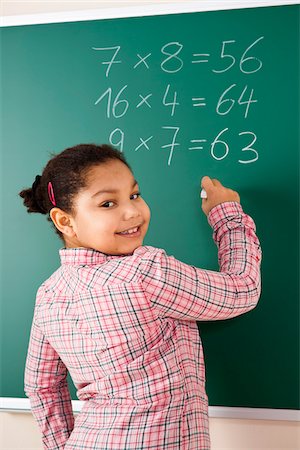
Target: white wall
(12, 7)
(19, 431)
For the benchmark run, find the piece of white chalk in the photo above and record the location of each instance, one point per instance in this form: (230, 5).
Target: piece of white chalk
(203, 194)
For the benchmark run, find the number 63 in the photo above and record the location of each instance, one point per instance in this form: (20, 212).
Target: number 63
(248, 148)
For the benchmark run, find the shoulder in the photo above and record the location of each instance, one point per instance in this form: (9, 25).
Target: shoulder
(151, 260)
(148, 254)
(147, 251)
(50, 286)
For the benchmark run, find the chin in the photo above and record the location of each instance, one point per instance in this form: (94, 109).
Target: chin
(130, 249)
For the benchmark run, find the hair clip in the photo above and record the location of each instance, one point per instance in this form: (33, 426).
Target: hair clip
(51, 194)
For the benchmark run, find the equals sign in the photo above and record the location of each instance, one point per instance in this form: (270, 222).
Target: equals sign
(200, 101)
(196, 141)
(203, 58)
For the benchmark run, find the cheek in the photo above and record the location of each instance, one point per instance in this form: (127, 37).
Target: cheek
(146, 211)
(90, 223)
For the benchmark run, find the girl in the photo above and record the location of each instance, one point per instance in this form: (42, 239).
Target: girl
(121, 317)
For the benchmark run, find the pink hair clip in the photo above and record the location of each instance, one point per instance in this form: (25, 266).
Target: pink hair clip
(51, 194)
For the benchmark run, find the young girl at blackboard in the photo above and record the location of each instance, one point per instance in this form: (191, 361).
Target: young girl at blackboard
(121, 317)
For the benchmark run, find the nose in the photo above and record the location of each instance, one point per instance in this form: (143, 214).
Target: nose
(131, 211)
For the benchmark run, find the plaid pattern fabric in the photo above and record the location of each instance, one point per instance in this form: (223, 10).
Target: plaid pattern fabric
(125, 328)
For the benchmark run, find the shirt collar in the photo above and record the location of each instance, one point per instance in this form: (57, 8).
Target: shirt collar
(84, 256)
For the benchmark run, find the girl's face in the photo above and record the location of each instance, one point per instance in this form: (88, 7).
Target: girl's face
(110, 215)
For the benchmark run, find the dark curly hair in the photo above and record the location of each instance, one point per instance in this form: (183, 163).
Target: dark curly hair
(67, 173)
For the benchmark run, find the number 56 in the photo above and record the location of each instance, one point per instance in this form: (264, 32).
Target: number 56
(230, 59)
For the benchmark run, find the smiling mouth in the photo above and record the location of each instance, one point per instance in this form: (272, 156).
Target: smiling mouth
(130, 232)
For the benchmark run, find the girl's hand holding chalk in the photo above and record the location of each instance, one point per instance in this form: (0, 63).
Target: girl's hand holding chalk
(213, 193)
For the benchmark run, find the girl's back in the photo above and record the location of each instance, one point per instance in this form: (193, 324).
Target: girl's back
(123, 323)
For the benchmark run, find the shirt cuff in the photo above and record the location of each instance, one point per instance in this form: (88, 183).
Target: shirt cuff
(226, 210)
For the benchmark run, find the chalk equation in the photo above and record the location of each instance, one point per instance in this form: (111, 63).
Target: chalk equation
(218, 148)
(117, 105)
(172, 59)
(174, 63)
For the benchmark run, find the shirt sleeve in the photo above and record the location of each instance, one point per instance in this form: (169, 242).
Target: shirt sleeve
(47, 388)
(185, 292)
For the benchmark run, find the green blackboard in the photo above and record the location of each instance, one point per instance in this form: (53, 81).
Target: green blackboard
(183, 95)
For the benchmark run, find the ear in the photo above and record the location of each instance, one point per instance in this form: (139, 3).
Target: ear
(63, 221)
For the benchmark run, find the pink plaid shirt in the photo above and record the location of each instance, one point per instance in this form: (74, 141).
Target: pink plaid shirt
(125, 328)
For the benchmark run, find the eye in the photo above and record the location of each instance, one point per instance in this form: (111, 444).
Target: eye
(135, 196)
(107, 205)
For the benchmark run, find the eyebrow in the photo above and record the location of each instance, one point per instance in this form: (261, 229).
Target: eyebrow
(111, 191)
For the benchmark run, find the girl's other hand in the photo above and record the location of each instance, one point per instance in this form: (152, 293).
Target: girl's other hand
(216, 194)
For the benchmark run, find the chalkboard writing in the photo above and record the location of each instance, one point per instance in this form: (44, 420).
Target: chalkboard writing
(173, 61)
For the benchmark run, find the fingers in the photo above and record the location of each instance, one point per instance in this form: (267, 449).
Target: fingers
(216, 182)
(216, 193)
(208, 184)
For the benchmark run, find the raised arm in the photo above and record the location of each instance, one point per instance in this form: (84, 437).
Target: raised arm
(181, 291)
